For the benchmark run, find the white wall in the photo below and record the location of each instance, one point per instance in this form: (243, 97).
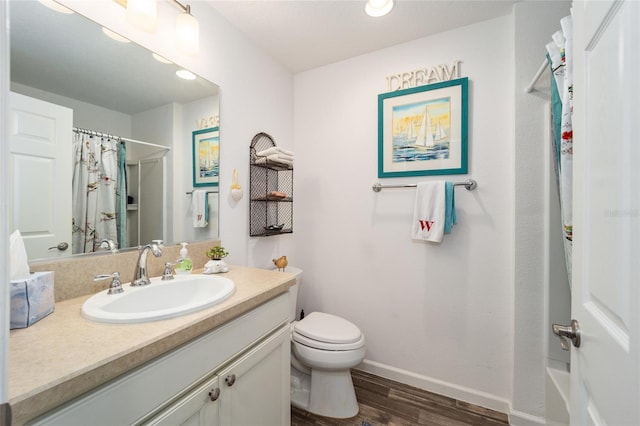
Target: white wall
(443, 313)
(183, 182)
(85, 115)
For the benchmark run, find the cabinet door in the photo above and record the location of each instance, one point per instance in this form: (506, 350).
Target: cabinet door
(255, 388)
(198, 407)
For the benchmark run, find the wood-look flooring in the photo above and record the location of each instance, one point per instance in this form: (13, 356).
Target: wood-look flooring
(386, 402)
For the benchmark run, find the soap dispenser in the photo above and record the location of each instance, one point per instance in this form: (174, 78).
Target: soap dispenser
(184, 265)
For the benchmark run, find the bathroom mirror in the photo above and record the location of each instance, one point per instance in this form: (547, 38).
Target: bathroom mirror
(117, 89)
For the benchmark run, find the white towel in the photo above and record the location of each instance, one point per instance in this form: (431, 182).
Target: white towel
(274, 150)
(275, 158)
(200, 207)
(429, 211)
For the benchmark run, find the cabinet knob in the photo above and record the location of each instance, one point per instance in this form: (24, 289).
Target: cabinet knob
(214, 394)
(230, 379)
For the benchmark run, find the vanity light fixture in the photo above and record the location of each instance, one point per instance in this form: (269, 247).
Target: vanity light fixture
(187, 30)
(187, 75)
(143, 14)
(378, 8)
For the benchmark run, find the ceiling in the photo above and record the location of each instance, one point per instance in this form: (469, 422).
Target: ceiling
(306, 34)
(300, 34)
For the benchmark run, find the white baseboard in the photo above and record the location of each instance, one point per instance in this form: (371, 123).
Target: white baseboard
(460, 393)
(518, 418)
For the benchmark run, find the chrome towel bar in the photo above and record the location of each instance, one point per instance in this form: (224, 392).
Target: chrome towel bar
(469, 184)
(208, 192)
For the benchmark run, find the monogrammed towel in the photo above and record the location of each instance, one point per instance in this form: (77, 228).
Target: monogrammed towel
(200, 206)
(429, 211)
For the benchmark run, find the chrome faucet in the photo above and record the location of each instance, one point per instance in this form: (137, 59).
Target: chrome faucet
(140, 277)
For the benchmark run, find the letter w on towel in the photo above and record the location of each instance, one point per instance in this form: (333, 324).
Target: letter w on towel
(434, 211)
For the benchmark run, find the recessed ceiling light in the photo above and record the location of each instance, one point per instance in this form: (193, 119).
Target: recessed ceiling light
(377, 8)
(161, 58)
(187, 75)
(56, 6)
(115, 36)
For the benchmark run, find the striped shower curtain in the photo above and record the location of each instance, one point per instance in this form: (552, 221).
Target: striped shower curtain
(95, 191)
(561, 62)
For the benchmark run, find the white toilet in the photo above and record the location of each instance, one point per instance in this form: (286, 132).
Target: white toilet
(324, 347)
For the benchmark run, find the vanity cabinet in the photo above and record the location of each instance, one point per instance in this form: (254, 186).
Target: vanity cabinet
(250, 391)
(226, 377)
(271, 191)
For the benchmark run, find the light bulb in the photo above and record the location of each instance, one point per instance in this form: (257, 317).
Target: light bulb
(188, 33)
(186, 75)
(142, 14)
(378, 8)
(161, 58)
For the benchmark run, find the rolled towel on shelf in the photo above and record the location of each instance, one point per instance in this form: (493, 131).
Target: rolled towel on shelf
(274, 150)
(274, 158)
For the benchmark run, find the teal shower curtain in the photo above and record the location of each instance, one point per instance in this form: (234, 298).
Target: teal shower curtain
(96, 183)
(561, 63)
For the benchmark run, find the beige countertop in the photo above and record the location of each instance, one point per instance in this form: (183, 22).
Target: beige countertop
(65, 355)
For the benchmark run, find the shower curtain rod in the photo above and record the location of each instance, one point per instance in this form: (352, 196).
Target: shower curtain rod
(536, 77)
(107, 135)
(469, 184)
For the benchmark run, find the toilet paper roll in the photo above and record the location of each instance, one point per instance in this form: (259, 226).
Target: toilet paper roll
(19, 266)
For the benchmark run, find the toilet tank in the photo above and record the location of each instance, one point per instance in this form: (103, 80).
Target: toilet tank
(293, 291)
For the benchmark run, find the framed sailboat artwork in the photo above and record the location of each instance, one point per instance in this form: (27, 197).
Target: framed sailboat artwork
(422, 130)
(206, 157)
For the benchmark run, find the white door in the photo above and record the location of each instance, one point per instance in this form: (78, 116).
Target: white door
(40, 158)
(605, 369)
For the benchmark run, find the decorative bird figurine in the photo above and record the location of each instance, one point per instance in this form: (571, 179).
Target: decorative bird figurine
(281, 263)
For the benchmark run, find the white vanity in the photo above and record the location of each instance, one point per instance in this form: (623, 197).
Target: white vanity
(225, 365)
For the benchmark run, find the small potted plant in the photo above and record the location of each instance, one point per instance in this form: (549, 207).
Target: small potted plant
(217, 253)
(216, 264)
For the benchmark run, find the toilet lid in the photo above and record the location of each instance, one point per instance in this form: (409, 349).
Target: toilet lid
(327, 328)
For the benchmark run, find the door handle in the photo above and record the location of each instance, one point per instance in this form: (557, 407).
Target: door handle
(61, 246)
(566, 333)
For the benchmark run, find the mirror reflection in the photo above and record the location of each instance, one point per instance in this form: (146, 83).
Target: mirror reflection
(101, 138)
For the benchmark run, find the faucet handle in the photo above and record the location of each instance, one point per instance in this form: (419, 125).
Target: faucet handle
(116, 285)
(168, 271)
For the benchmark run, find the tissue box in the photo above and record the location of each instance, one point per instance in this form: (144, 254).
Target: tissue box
(31, 299)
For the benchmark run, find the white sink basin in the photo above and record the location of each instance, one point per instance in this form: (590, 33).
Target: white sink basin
(158, 300)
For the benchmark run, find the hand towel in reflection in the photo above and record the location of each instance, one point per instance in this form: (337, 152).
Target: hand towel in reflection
(429, 211)
(200, 208)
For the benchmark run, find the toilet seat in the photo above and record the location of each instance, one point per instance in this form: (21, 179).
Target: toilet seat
(328, 332)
